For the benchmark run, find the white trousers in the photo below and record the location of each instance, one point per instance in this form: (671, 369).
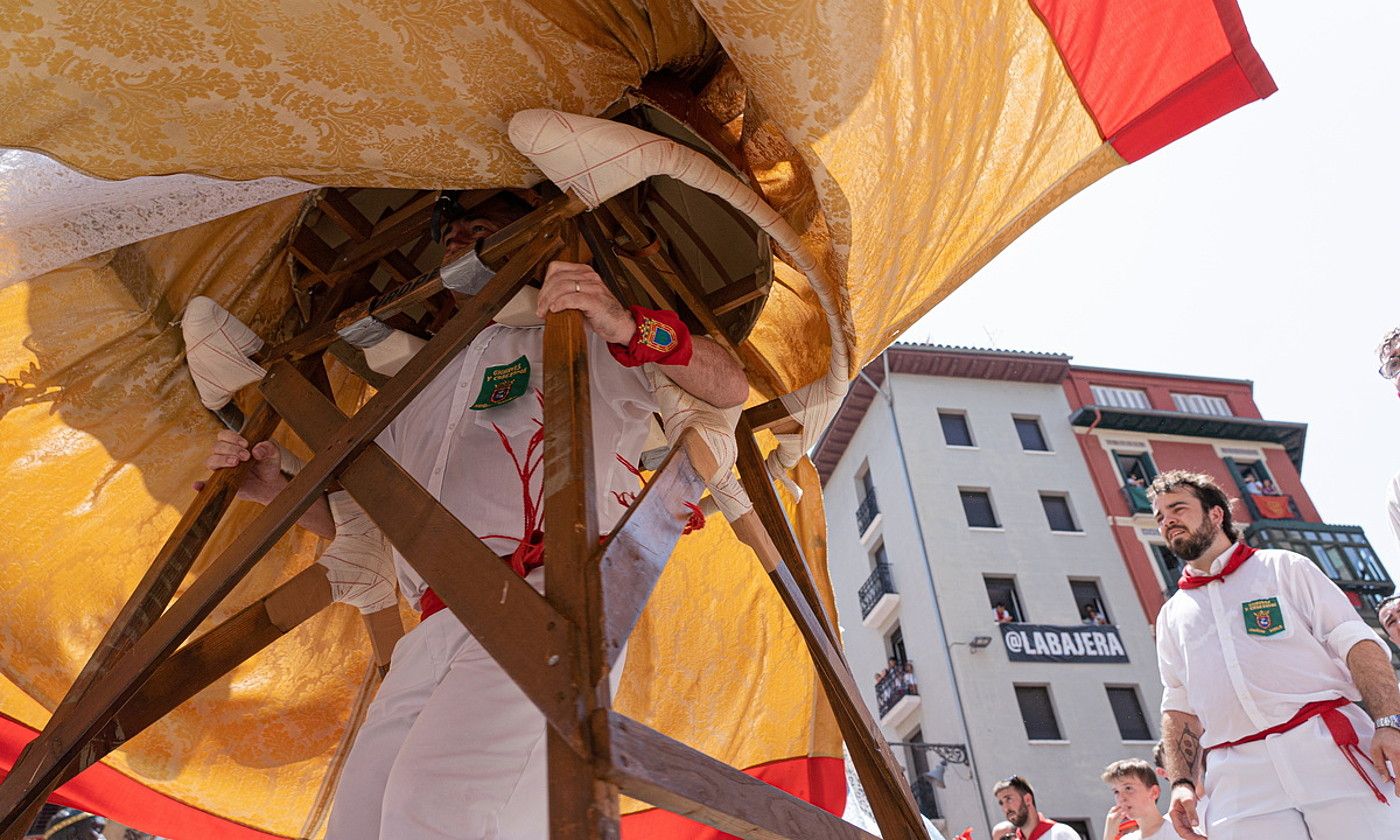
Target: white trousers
(450, 748)
(1297, 785)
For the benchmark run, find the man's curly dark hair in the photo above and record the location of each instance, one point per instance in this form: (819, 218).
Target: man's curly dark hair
(1389, 354)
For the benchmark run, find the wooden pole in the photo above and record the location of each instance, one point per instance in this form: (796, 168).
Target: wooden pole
(582, 806)
(766, 530)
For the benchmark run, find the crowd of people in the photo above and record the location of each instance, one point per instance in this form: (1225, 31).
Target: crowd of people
(895, 681)
(1254, 486)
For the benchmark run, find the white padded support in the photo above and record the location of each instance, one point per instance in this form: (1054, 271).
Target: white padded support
(597, 159)
(359, 563)
(217, 346)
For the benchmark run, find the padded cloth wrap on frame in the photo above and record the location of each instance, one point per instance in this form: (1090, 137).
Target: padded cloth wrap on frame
(597, 159)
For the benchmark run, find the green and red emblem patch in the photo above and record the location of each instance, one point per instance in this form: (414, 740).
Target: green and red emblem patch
(656, 335)
(503, 383)
(1263, 617)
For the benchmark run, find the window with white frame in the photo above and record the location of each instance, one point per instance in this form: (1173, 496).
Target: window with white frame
(1202, 404)
(1119, 397)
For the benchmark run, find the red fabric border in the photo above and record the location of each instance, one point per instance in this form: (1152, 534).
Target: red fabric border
(820, 780)
(1143, 86)
(103, 790)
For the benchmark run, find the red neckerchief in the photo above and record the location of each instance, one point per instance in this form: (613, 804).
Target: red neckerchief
(1040, 828)
(1242, 553)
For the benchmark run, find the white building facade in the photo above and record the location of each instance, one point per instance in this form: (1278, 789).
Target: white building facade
(980, 499)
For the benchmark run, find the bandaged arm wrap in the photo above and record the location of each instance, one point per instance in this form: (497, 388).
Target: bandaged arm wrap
(359, 562)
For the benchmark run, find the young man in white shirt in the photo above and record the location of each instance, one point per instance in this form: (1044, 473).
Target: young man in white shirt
(1135, 795)
(451, 749)
(1263, 660)
(1017, 800)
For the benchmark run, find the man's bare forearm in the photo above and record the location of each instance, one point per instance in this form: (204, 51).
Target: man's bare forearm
(712, 375)
(1375, 679)
(1181, 745)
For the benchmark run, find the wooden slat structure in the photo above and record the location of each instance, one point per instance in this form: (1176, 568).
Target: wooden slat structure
(559, 647)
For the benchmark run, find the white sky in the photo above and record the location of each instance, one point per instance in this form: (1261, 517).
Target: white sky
(1260, 247)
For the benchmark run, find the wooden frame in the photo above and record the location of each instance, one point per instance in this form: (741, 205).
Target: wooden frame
(559, 648)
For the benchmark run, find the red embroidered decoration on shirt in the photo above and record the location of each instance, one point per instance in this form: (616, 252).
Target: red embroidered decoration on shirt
(529, 548)
(661, 337)
(626, 498)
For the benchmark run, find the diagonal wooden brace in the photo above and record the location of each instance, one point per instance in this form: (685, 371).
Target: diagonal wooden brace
(654, 768)
(513, 622)
(766, 530)
(150, 598)
(32, 776)
(198, 664)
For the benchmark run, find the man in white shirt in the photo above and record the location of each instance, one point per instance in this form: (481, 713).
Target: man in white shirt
(1389, 613)
(450, 748)
(1017, 802)
(1135, 795)
(1262, 661)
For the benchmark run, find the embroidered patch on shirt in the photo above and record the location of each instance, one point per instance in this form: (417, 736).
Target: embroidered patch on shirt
(656, 335)
(503, 383)
(1263, 617)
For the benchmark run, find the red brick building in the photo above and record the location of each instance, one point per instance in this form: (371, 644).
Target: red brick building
(1130, 425)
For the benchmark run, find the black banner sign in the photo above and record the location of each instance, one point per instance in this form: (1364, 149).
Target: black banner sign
(1051, 643)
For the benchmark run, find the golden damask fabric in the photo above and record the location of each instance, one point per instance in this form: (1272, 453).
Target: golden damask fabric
(371, 92)
(905, 140)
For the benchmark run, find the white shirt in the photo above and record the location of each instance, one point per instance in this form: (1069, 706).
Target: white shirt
(1240, 682)
(457, 455)
(1163, 832)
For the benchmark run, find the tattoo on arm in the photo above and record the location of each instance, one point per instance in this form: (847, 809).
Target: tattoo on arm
(1189, 748)
(1181, 738)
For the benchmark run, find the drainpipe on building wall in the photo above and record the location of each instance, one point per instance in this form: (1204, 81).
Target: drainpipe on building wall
(888, 393)
(1146, 594)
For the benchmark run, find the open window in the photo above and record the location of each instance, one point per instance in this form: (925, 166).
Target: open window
(1137, 471)
(1004, 600)
(1088, 602)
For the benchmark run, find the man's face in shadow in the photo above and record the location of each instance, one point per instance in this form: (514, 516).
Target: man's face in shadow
(471, 226)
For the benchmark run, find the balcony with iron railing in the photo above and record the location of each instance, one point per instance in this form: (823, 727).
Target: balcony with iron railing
(878, 597)
(866, 512)
(925, 798)
(896, 694)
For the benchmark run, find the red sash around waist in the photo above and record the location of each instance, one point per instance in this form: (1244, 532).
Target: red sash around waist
(1343, 735)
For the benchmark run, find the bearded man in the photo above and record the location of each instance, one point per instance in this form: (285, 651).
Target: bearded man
(1263, 660)
(1017, 801)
